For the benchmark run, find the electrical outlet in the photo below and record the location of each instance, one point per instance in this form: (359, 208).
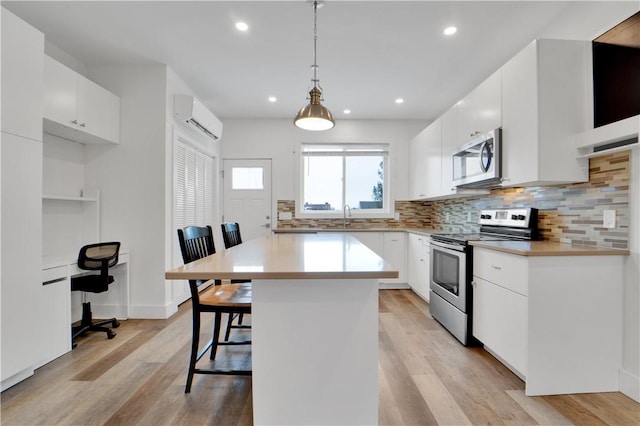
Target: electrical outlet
(447, 217)
(396, 216)
(469, 217)
(609, 218)
(285, 216)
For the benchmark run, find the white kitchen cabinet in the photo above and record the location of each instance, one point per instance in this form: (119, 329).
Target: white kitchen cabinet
(481, 110)
(418, 264)
(21, 155)
(394, 251)
(546, 101)
(392, 247)
(500, 283)
(425, 162)
(22, 56)
(449, 146)
(78, 109)
(373, 240)
(56, 289)
(536, 315)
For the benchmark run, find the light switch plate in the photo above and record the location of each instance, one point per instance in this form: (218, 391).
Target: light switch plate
(285, 216)
(609, 218)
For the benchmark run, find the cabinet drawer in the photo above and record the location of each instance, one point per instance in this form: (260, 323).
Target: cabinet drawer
(506, 270)
(56, 274)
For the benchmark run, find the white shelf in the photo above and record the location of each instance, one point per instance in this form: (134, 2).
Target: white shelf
(615, 132)
(68, 198)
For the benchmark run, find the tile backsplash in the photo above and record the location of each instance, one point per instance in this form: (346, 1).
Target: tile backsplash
(567, 213)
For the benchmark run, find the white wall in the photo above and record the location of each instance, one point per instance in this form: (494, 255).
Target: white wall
(278, 140)
(132, 177)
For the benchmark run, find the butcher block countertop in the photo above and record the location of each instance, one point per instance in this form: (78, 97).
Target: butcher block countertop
(547, 248)
(290, 256)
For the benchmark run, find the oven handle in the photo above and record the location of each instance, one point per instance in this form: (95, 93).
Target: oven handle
(447, 246)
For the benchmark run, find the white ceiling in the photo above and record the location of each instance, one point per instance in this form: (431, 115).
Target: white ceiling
(369, 53)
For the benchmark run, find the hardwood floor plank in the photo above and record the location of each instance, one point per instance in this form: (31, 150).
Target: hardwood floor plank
(541, 412)
(625, 411)
(573, 410)
(442, 404)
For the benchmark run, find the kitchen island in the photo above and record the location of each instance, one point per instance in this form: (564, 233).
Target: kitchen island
(314, 324)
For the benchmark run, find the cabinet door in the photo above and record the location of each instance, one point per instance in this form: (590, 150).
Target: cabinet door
(481, 110)
(449, 146)
(418, 264)
(21, 217)
(433, 164)
(98, 110)
(57, 310)
(500, 322)
(22, 56)
(60, 93)
(520, 159)
(373, 240)
(417, 171)
(395, 253)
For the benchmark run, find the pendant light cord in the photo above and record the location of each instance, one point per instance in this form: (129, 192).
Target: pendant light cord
(315, 42)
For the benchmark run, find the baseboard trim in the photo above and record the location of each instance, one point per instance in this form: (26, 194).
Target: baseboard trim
(16, 378)
(152, 312)
(630, 385)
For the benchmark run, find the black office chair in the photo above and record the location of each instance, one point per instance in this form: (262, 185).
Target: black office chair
(211, 296)
(95, 257)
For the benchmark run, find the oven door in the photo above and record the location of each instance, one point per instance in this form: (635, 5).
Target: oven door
(449, 273)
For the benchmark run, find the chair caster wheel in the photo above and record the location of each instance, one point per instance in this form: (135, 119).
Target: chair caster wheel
(115, 324)
(110, 334)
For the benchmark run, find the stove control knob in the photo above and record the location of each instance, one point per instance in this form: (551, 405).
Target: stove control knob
(514, 217)
(482, 216)
(488, 216)
(521, 217)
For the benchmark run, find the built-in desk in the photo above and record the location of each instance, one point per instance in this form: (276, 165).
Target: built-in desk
(64, 307)
(314, 325)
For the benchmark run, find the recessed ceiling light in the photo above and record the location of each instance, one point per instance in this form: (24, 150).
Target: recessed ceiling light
(272, 99)
(347, 111)
(242, 26)
(399, 100)
(450, 30)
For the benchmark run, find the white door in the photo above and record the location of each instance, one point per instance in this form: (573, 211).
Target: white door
(247, 196)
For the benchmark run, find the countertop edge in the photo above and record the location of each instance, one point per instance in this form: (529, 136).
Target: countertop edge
(547, 248)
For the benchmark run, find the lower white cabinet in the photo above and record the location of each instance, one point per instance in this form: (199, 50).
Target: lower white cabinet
(418, 264)
(392, 247)
(500, 322)
(555, 321)
(56, 290)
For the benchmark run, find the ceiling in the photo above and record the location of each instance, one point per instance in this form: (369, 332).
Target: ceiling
(370, 53)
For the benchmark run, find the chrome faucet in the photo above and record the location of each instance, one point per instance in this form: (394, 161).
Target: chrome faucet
(344, 215)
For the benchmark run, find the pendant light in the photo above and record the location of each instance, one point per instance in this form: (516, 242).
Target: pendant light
(315, 116)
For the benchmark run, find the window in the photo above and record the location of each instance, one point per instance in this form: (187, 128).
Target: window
(247, 178)
(336, 175)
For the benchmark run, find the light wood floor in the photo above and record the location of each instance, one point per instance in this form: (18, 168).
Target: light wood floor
(426, 377)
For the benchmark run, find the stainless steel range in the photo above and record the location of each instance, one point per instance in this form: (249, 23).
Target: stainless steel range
(451, 297)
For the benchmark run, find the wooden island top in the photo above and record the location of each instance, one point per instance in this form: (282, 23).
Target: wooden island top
(290, 256)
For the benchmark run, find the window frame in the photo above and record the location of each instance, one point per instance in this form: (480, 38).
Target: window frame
(388, 210)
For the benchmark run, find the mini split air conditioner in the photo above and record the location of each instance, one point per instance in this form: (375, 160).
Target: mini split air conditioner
(190, 110)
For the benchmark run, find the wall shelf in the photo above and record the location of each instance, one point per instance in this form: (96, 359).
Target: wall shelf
(68, 198)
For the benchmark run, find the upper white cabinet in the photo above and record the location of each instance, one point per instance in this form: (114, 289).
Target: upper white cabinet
(22, 55)
(78, 109)
(425, 162)
(449, 146)
(546, 101)
(481, 110)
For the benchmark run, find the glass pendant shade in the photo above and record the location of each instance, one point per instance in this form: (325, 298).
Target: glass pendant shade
(314, 116)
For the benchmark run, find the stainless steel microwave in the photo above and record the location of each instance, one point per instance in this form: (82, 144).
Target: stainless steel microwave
(477, 164)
